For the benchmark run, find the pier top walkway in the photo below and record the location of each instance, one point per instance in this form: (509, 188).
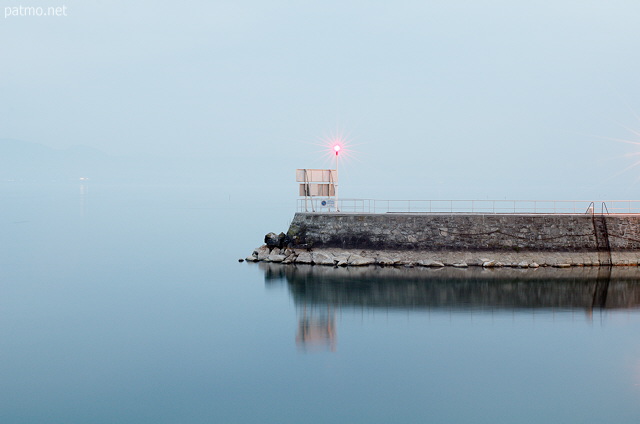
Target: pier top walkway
(525, 207)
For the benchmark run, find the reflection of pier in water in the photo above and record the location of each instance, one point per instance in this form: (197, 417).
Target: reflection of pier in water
(318, 291)
(584, 288)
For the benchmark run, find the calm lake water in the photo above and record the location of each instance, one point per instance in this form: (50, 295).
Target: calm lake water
(128, 305)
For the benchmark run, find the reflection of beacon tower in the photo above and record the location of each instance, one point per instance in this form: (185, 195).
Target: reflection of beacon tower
(316, 328)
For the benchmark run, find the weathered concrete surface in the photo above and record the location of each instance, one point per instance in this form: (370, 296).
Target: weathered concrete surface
(542, 238)
(458, 240)
(550, 232)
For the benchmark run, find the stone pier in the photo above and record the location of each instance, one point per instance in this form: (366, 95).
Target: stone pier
(523, 240)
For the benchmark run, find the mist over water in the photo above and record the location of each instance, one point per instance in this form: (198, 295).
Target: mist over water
(146, 146)
(127, 304)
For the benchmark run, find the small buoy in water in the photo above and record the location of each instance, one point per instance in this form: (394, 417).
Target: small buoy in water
(240, 260)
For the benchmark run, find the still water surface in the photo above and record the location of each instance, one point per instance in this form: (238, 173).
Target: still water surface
(128, 305)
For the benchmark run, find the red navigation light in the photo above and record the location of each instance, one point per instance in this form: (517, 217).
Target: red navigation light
(336, 148)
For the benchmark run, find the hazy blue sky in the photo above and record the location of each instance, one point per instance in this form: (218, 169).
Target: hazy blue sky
(441, 99)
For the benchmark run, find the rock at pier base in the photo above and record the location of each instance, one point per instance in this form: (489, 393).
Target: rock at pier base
(436, 259)
(321, 258)
(430, 263)
(275, 258)
(304, 258)
(357, 260)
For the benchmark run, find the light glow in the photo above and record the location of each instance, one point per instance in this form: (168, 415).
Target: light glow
(334, 145)
(633, 164)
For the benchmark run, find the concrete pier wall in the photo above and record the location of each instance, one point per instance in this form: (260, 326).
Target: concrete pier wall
(598, 239)
(465, 231)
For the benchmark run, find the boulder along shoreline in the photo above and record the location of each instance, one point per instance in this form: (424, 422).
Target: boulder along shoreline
(277, 249)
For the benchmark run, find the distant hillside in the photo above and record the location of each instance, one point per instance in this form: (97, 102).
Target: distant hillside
(26, 161)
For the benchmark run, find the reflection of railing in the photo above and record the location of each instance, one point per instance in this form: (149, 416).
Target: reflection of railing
(476, 206)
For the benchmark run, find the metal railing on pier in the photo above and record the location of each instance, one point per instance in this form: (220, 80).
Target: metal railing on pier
(471, 206)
